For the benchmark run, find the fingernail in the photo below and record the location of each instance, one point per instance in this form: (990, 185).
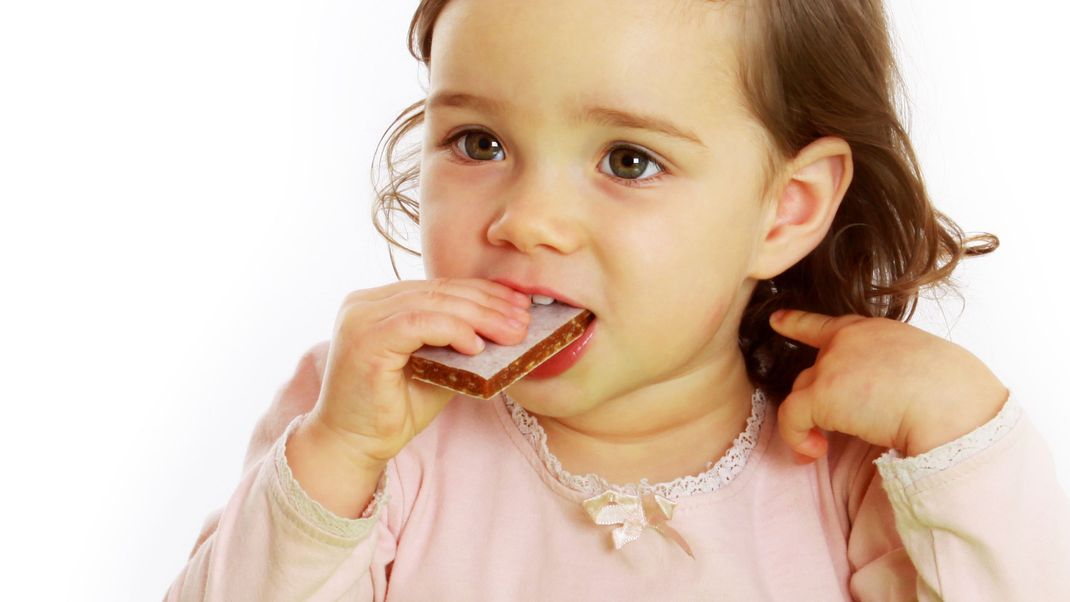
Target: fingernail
(515, 324)
(521, 300)
(520, 314)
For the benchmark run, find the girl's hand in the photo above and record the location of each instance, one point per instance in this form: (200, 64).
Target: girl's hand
(368, 401)
(886, 382)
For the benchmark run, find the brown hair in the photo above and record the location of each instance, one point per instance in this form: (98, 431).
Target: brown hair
(808, 69)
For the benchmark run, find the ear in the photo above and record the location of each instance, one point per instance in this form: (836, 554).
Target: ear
(815, 181)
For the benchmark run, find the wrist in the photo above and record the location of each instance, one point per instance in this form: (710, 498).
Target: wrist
(328, 442)
(957, 420)
(329, 473)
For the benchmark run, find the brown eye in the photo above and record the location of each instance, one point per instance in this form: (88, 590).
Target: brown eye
(480, 146)
(630, 164)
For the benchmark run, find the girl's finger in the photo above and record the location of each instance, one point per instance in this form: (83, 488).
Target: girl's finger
(804, 379)
(504, 328)
(387, 298)
(796, 425)
(809, 328)
(404, 332)
(479, 290)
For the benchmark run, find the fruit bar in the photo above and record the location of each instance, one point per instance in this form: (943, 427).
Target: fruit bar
(483, 375)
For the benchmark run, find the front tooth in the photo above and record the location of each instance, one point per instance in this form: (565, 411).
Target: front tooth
(542, 299)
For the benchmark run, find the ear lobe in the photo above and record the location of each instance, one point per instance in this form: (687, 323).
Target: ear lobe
(808, 201)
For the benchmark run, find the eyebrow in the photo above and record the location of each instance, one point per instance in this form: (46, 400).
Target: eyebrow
(600, 115)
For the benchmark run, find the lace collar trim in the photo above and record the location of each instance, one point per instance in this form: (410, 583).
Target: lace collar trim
(716, 476)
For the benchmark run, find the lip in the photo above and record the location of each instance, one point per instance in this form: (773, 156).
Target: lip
(538, 290)
(565, 359)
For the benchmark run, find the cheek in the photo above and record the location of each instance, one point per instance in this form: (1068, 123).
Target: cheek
(445, 241)
(450, 220)
(684, 273)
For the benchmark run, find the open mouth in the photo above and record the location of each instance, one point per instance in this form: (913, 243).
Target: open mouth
(547, 300)
(569, 355)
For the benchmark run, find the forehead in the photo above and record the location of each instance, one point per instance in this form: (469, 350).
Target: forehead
(672, 58)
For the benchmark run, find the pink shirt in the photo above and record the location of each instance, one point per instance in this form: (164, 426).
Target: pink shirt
(476, 508)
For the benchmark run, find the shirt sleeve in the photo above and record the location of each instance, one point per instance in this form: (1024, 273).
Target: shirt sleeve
(273, 542)
(979, 518)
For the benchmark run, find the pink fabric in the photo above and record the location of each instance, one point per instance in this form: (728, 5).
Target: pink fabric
(471, 513)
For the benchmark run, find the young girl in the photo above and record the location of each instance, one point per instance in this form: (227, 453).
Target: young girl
(681, 169)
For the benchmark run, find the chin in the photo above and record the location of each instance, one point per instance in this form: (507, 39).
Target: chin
(559, 397)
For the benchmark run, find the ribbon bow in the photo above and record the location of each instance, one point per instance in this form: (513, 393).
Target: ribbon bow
(633, 514)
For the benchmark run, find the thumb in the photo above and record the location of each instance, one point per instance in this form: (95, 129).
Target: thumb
(797, 428)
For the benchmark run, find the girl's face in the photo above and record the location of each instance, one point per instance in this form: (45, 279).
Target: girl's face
(602, 150)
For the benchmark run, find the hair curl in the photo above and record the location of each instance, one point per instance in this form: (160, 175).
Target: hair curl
(808, 69)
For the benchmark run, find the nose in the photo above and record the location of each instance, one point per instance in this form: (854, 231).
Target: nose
(538, 212)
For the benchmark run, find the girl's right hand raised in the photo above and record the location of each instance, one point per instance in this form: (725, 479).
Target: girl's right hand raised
(368, 403)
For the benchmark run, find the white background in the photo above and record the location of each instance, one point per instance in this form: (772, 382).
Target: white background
(185, 192)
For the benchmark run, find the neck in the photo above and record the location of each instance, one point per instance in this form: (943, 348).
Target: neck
(664, 431)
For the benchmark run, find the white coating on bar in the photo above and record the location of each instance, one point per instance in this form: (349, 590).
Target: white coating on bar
(545, 319)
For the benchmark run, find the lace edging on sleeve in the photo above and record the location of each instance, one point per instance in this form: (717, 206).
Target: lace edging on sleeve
(313, 511)
(908, 470)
